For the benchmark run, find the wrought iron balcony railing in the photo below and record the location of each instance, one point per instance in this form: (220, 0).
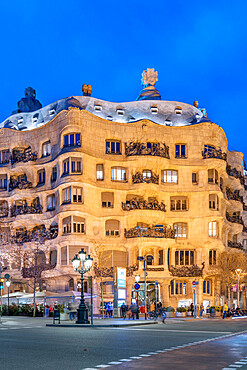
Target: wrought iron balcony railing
(234, 218)
(24, 208)
(38, 233)
(150, 232)
(235, 245)
(233, 195)
(143, 204)
(23, 155)
(138, 178)
(154, 149)
(186, 271)
(235, 173)
(19, 182)
(214, 153)
(4, 211)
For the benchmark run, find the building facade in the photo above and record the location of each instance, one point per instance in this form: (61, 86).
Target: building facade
(145, 178)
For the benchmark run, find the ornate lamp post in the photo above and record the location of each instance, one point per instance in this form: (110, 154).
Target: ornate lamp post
(137, 279)
(8, 285)
(86, 264)
(238, 272)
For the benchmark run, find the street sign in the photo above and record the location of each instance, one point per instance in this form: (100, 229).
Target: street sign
(195, 282)
(156, 283)
(150, 258)
(139, 258)
(7, 276)
(137, 286)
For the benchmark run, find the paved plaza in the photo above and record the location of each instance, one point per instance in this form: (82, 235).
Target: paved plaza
(27, 343)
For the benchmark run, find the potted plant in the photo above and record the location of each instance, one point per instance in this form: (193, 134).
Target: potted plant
(181, 312)
(170, 311)
(63, 313)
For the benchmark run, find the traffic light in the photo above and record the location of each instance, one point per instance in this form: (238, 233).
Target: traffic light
(1, 283)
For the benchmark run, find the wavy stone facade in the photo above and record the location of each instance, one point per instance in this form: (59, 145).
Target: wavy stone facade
(84, 170)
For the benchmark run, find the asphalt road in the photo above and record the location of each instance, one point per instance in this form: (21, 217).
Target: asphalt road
(28, 344)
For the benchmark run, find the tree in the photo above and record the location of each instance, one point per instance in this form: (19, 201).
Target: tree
(228, 262)
(29, 257)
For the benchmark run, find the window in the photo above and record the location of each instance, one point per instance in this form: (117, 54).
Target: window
(64, 256)
(194, 178)
(107, 199)
(54, 174)
(4, 156)
(118, 174)
(207, 287)
(46, 149)
(77, 194)
(98, 108)
(212, 257)
(3, 182)
(180, 151)
(53, 257)
(146, 174)
(245, 244)
(51, 202)
(161, 257)
(78, 225)
(178, 110)
(178, 287)
(76, 165)
(179, 204)
(181, 230)
(113, 147)
(120, 112)
(66, 166)
(41, 177)
(112, 228)
(184, 258)
(99, 172)
(66, 195)
(213, 229)
(213, 201)
(154, 109)
(72, 140)
(149, 260)
(212, 176)
(169, 176)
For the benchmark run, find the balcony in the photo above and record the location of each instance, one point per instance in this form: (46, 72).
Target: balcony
(38, 233)
(150, 232)
(234, 245)
(19, 182)
(234, 218)
(138, 178)
(235, 173)
(233, 195)
(187, 271)
(4, 211)
(143, 204)
(23, 208)
(23, 155)
(214, 153)
(153, 149)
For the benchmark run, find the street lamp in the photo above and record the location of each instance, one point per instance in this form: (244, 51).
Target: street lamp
(137, 279)
(238, 272)
(8, 285)
(86, 264)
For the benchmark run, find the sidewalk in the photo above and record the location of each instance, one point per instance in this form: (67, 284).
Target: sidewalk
(102, 323)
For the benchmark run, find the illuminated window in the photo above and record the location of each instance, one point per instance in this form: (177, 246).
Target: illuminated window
(118, 174)
(181, 230)
(99, 172)
(213, 229)
(169, 176)
(46, 149)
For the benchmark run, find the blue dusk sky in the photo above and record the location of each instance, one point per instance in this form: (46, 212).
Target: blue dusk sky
(197, 47)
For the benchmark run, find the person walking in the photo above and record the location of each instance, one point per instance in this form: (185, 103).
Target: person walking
(225, 310)
(201, 310)
(133, 309)
(124, 309)
(192, 309)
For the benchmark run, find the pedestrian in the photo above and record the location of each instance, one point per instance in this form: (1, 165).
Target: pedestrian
(225, 310)
(107, 312)
(133, 309)
(201, 310)
(192, 309)
(110, 305)
(124, 309)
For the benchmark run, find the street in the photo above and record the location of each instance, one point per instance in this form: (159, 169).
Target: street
(26, 343)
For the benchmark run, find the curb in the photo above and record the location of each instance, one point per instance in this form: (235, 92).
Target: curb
(100, 326)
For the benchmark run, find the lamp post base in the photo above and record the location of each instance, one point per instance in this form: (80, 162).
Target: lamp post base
(82, 316)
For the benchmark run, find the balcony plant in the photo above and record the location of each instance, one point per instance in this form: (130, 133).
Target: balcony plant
(181, 312)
